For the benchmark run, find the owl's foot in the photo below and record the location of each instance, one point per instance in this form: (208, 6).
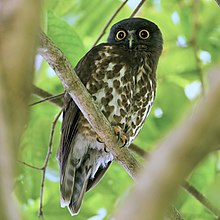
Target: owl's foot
(121, 135)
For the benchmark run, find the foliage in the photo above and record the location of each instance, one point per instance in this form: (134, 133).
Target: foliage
(189, 51)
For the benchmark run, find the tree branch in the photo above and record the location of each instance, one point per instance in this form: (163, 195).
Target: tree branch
(201, 198)
(175, 158)
(139, 151)
(84, 101)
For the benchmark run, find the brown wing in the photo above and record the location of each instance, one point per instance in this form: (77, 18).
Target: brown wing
(71, 115)
(69, 129)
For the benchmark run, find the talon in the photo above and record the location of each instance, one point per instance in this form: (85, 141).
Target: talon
(121, 135)
(99, 139)
(106, 151)
(117, 130)
(124, 140)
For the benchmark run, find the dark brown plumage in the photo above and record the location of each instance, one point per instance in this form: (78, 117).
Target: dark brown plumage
(121, 76)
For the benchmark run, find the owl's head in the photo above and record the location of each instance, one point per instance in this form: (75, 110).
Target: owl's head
(133, 32)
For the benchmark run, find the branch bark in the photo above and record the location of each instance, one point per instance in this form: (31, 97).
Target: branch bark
(18, 36)
(175, 158)
(84, 101)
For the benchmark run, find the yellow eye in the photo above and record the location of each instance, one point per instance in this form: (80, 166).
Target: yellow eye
(121, 35)
(144, 34)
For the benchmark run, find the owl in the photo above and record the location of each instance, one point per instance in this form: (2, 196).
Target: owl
(121, 77)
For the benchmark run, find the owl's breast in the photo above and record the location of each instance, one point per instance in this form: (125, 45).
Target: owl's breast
(123, 88)
(112, 91)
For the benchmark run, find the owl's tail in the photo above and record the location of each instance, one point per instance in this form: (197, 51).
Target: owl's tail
(74, 183)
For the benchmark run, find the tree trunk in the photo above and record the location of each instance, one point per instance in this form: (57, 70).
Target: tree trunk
(19, 20)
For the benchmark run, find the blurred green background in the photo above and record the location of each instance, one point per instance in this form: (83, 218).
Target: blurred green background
(191, 32)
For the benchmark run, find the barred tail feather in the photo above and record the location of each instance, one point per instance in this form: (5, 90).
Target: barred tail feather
(73, 184)
(66, 187)
(67, 179)
(78, 192)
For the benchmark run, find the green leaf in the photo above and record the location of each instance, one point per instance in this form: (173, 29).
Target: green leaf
(58, 6)
(65, 38)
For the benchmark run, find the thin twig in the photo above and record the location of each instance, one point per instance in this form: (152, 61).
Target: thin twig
(137, 8)
(49, 151)
(201, 198)
(49, 98)
(31, 166)
(110, 21)
(44, 94)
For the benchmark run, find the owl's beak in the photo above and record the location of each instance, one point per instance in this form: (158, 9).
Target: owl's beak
(130, 39)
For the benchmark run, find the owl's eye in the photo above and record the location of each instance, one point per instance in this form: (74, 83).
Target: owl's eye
(121, 35)
(144, 34)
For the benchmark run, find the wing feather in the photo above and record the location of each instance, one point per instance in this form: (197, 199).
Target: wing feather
(75, 177)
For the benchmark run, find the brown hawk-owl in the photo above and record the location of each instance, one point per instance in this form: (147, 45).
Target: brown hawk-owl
(121, 77)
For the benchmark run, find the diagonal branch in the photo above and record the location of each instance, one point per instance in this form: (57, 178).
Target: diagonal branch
(201, 198)
(84, 101)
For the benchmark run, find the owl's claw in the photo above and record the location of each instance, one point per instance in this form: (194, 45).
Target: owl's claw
(99, 140)
(121, 135)
(124, 140)
(106, 151)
